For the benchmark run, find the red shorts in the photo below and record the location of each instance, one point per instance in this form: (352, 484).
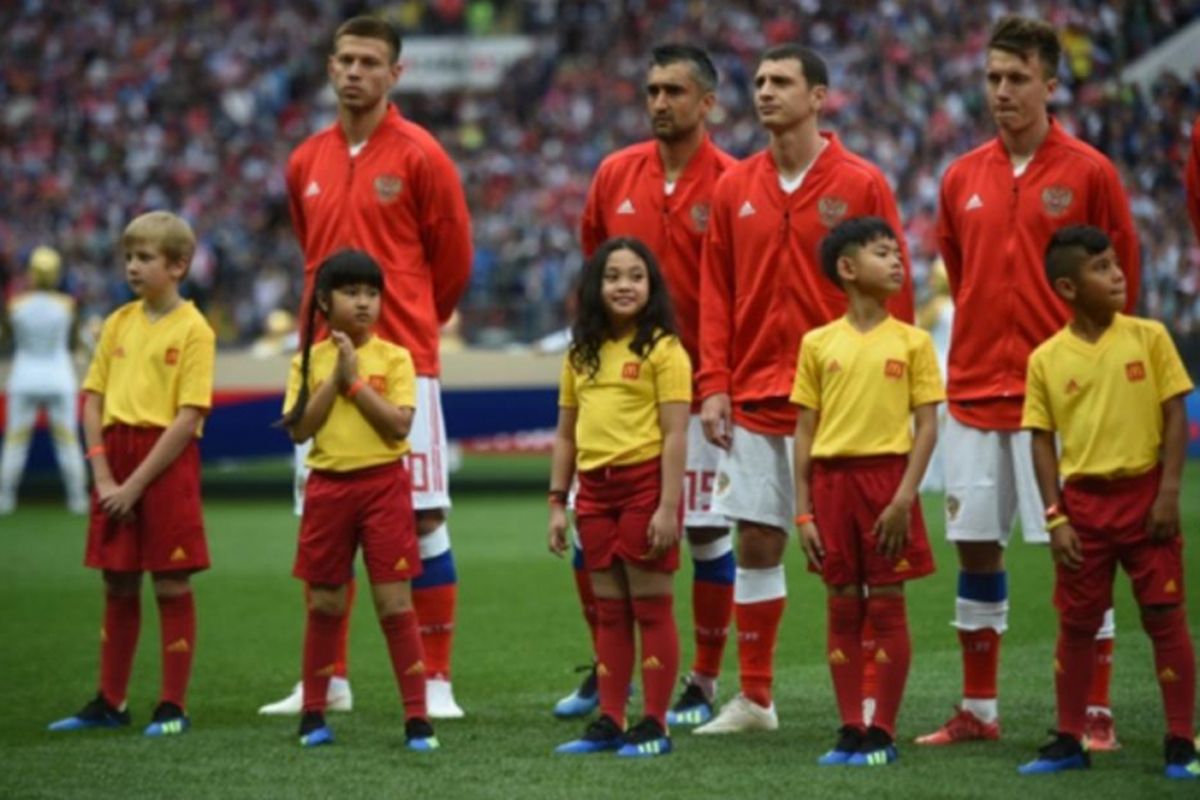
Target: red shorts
(1110, 517)
(371, 506)
(166, 533)
(848, 495)
(612, 514)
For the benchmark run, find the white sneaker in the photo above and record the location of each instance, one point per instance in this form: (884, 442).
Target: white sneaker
(79, 506)
(740, 715)
(8, 504)
(439, 700)
(338, 698)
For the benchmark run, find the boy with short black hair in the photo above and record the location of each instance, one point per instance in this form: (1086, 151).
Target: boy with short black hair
(1112, 387)
(147, 393)
(861, 383)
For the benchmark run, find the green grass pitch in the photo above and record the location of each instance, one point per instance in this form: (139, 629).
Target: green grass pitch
(519, 636)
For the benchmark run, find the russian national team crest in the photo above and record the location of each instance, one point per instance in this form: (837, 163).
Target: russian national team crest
(831, 210)
(388, 188)
(700, 217)
(1057, 199)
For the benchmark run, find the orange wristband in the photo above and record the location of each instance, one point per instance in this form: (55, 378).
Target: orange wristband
(355, 387)
(803, 519)
(92, 452)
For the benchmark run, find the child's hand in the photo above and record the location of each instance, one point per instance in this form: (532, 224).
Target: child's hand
(1163, 522)
(557, 539)
(119, 503)
(1065, 547)
(892, 529)
(347, 360)
(663, 533)
(810, 542)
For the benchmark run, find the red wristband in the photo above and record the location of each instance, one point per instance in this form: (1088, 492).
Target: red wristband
(355, 387)
(1053, 510)
(804, 519)
(92, 452)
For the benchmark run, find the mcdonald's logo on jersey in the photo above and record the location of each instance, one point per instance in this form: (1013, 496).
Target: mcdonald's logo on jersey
(631, 370)
(172, 356)
(1135, 371)
(893, 368)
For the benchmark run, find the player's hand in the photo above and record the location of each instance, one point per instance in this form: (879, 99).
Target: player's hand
(716, 417)
(1163, 522)
(120, 502)
(557, 538)
(663, 533)
(347, 359)
(891, 529)
(1065, 547)
(810, 542)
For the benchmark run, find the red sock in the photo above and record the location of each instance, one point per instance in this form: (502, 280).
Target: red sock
(320, 657)
(712, 609)
(118, 641)
(1101, 673)
(870, 681)
(660, 653)
(893, 655)
(758, 627)
(177, 620)
(403, 636)
(614, 649)
(342, 667)
(435, 607)
(845, 655)
(1074, 660)
(1175, 663)
(981, 661)
(587, 601)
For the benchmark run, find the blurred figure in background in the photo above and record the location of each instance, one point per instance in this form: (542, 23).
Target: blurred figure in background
(936, 315)
(42, 324)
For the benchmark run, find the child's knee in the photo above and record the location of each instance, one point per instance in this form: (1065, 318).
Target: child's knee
(171, 584)
(122, 583)
(392, 599)
(1081, 623)
(327, 600)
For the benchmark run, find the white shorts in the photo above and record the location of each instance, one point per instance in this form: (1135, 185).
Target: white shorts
(428, 460)
(989, 482)
(754, 480)
(699, 478)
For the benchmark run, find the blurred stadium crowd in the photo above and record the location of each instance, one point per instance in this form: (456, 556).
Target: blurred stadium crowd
(110, 107)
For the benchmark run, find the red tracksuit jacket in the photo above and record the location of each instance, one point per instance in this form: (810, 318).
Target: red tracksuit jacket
(993, 229)
(400, 200)
(761, 284)
(627, 198)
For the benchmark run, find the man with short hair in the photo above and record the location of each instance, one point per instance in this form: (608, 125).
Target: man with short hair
(376, 181)
(999, 206)
(659, 191)
(762, 289)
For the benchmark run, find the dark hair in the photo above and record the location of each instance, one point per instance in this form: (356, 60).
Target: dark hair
(1071, 247)
(343, 268)
(370, 27)
(703, 70)
(847, 237)
(591, 328)
(1023, 36)
(813, 67)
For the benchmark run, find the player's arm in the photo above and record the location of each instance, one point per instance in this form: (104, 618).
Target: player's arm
(316, 411)
(664, 525)
(446, 235)
(562, 472)
(892, 526)
(716, 326)
(810, 537)
(592, 232)
(392, 423)
(948, 244)
(170, 444)
(1117, 221)
(901, 305)
(1164, 514)
(93, 437)
(1192, 179)
(1065, 546)
(295, 202)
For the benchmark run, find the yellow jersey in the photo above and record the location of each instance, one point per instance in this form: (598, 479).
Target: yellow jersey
(347, 441)
(864, 386)
(1104, 399)
(618, 408)
(149, 369)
